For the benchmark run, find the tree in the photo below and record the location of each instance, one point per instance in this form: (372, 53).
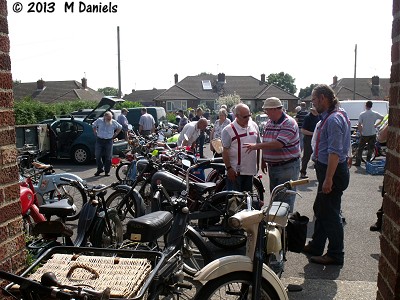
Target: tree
(282, 80)
(109, 91)
(229, 100)
(306, 91)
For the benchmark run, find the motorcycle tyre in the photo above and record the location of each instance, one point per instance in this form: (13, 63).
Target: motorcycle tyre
(138, 204)
(99, 237)
(82, 194)
(257, 187)
(212, 288)
(119, 171)
(205, 254)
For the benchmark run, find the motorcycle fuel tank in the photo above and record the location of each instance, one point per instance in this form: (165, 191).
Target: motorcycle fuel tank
(171, 182)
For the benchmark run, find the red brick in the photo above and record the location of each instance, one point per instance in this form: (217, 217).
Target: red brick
(18, 261)
(8, 155)
(394, 95)
(387, 246)
(11, 192)
(15, 227)
(3, 232)
(5, 79)
(10, 211)
(396, 7)
(395, 52)
(4, 44)
(7, 137)
(5, 62)
(6, 99)
(7, 118)
(3, 25)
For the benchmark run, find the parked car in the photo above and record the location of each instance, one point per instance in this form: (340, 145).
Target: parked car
(134, 114)
(69, 137)
(355, 107)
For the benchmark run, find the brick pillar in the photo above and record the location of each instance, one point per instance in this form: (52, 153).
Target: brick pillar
(389, 262)
(12, 241)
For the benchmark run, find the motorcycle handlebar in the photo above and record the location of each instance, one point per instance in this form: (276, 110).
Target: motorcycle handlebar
(294, 183)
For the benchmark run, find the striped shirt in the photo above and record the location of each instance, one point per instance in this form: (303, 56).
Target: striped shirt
(285, 131)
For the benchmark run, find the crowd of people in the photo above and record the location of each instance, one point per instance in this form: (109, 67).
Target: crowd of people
(321, 133)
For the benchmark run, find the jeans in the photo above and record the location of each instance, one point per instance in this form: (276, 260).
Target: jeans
(281, 174)
(301, 135)
(370, 140)
(103, 153)
(328, 220)
(241, 184)
(307, 151)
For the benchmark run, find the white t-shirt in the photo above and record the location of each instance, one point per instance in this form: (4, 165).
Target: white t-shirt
(242, 162)
(191, 131)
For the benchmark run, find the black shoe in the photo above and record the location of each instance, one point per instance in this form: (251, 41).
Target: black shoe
(303, 176)
(106, 174)
(375, 227)
(98, 172)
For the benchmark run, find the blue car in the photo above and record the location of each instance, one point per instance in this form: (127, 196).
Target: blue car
(73, 138)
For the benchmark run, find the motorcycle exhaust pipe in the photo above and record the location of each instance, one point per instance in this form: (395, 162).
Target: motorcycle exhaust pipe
(215, 234)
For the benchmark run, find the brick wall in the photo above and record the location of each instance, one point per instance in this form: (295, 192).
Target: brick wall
(389, 262)
(12, 241)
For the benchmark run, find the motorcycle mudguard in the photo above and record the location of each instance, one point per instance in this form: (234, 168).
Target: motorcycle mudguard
(239, 263)
(86, 217)
(136, 196)
(57, 180)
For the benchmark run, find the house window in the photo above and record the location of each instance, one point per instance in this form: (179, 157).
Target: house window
(206, 85)
(285, 104)
(210, 104)
(176, 105)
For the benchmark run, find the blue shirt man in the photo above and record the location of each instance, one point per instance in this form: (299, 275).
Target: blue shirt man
(330, 155)
(105, 129)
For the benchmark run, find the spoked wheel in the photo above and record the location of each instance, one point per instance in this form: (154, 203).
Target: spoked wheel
(238, 240)
(104, 236)
(74, 194)
(195, 253)
(235, 285)
(121, 172)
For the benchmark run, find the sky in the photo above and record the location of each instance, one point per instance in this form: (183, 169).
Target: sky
(312, 40)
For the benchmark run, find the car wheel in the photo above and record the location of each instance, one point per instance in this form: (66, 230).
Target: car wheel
(80, 155)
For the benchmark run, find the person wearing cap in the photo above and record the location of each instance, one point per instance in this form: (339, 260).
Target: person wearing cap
(281, 147)
(123, 135)
(331, 166)
(183, 120)
(240, 166)
(309, 123)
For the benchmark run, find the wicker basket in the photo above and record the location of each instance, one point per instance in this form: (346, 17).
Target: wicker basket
(127, 273)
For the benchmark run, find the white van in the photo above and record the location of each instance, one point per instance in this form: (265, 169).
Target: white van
(355, 107)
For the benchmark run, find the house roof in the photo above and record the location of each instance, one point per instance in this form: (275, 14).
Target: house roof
(344, 89)
(247, 87)
(144, 96)
(55, 91)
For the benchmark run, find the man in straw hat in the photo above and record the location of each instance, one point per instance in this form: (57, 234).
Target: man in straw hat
(281, 147)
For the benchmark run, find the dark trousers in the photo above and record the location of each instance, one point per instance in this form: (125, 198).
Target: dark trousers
(200, 144)
(241, 184)
(307, 151)
(328, 220)
(103, 153)
(370, 140)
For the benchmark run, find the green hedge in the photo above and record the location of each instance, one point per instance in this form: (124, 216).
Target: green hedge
(28, 111)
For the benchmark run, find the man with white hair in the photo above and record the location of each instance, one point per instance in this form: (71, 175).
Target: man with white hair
(105, 129)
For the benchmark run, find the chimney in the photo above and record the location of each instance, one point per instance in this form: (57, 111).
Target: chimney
(176, 78)
(133, 90)
(375, 88)
(40, 84)
(221, 77)
(334, 80)
(375, 80)
(263, 78)
(84, 83)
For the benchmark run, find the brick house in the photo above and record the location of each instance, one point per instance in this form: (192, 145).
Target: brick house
(146, 97)
(56, 91)
(206, 88)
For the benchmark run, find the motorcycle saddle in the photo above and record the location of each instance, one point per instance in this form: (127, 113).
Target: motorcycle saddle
(52, 229)
(60, 209)
(203, 187)
(149, 227)
(279, 213)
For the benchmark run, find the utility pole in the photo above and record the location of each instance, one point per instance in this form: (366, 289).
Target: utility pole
(355, 72)
(119, 66)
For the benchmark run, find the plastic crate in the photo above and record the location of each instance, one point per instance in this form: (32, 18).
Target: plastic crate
(376, 167)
